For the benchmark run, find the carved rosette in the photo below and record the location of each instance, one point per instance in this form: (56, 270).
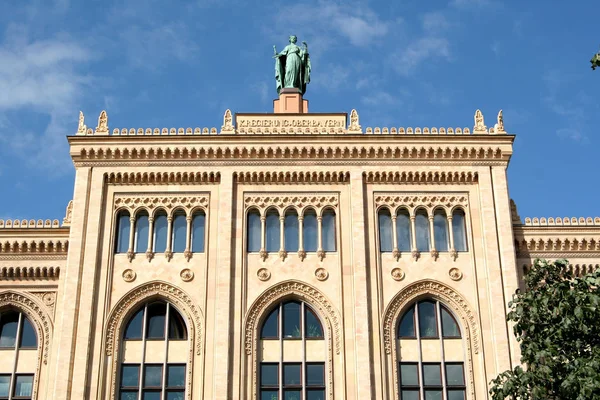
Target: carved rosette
(397, 274)
(263, 274)
(321, 274)
(186, 275)
(129, 275)
(455, 274)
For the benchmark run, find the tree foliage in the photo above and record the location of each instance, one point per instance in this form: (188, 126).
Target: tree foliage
(557, 323)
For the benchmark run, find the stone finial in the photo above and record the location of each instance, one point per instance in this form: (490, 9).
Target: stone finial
(499, 127)
(479, 124)
(227, 127)
(81, 128)
(354, 126)
(68, 214)
(102, 127)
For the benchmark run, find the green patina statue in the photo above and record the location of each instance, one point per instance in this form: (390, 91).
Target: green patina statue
(595, 61)
(292, 66)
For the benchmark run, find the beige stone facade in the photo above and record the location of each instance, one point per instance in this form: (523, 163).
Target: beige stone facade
(81, 282)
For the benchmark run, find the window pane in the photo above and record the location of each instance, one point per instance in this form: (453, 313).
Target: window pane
(309, 231)
(456, 395)
(175, 395)
(155, 328)
(385, 231)
(432, 375)
(8, 328)
(422, 226)
(23, 385)
(291, 320)
(449, 326)
(179, 233)
(4, 385)
(427, 325)
(292, 374)
(440, 229)
(128, 395)
(433, 395)
(177, 328)
(130, 376)
(123, 227)
(409, 375)
(313, 326)
(407, 324)
(28, 336)
(459, 231)
(254, 232)
(291, 231)
(315, 374)
(270, 328)
(273, 236)
(160, 233)
(198, 232)
(141, 233)
(269, 375)
(315, 394)
(292, 394)
(175, 376)
(328, 230)
(269, 395)
(151, 395)
(410, 395)
(153, 376)
(134, 327)
(403, 231)
(455, 375)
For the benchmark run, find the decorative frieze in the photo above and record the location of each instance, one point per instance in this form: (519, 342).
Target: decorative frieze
(292, 177)
(426, 200)
(38, 247)
(431, 177)
(566, 221)
(300, 201)
(29, 273)
(133, 202)
(162, 178)
(29, 224)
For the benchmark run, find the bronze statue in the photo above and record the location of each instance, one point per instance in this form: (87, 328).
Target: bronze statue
(292, 66)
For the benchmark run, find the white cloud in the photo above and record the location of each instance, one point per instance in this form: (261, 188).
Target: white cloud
(471, 3)
(380, 98)
(406, 60)
(435, 21)
(572, 134)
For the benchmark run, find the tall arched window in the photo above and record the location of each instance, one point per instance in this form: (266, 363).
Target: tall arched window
(328, 230)
(309, 231)
(160, 232)
(440, 230)
(18, 347)
(459, 231)
(287, 369)
(273, 236)
(291, 230)
(428, 331)
(122, 233)
(179, 232)
(385, 230)
(141, 232)
(254, 232)
(155, 353)
(198, 229)
(403, 230)
(422, 228)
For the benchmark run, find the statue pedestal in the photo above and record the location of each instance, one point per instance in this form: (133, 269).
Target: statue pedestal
(290, 102)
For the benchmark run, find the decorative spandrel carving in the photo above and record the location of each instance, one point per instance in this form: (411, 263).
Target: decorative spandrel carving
(299, 200)
(429, 201)
(102, 127)
(354, 126)
(479, 123)
(227, 127)
(133, 202)
(81, 127)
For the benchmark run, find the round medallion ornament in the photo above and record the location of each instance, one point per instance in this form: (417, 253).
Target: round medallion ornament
(455, 274)
(321, 274)
(129, 275)
(49, 298)
(186, 275)
(263, 274)
(397, 274)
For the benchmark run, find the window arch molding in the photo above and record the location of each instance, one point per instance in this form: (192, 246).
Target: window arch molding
(41, 321)
(454, 302)
(261, 308)
(130, 303)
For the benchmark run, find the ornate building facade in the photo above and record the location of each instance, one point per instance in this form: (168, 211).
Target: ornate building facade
(283, 256)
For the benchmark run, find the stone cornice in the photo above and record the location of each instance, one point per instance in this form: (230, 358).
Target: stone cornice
(433, 177)
(165, 178)
(566, 221)
(279, 177)
(30, 224)
(29, 273)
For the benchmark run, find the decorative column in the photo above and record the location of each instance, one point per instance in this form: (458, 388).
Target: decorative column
(415, 253)
(395, 251)
(282, 252)
(432, 250)
(320, 251)
(130, 253)
(301, 252)
(168, 251)
(453, 252)
(188, 238)
(149, 252)
(263, 233)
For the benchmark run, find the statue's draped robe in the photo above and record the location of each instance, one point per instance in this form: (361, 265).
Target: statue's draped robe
(292, 68)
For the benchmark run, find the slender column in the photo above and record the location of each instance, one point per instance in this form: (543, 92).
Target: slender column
(413, 227)
(188, 236)
(301, 233)
(394, 233)
(263, 233)
(281, 233)
(131, 233)
(169, 233)
(319, 233)
(431, 234)
(150, 234)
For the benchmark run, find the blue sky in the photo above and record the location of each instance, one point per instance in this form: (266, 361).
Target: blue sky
(173, 63)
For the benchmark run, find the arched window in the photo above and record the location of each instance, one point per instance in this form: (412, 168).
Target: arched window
(328, 230)
(18, 345)
(273, 238)
(459, 231)
(309, 231)
(291, 230)
(198, 229)
(441, 376)
(254, 232)
(155, 366)
(160, 232)
(440, 230)
(141, 232)
(123, 228)
(422, 228)
(385, 231)
(179, 232)
(403, 230)
(287, 369)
